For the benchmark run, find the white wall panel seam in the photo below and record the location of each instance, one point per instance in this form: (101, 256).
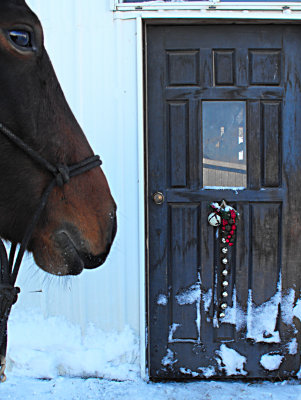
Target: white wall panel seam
(141, 194)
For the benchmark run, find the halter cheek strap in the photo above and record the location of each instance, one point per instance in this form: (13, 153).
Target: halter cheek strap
(8, 269)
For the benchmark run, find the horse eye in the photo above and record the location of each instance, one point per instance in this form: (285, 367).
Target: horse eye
(21, 38)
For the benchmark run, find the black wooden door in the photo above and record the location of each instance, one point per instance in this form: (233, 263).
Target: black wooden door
(223, 122)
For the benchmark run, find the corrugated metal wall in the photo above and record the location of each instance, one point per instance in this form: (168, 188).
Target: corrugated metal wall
(95, 60)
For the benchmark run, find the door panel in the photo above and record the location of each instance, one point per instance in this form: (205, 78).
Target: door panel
(223, 123)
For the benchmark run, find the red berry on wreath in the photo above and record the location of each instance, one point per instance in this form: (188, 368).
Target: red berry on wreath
(231, 244)
(231, 232)
(227, 240)
(233, 227)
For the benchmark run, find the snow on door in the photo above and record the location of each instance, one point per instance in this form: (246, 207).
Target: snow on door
(223, 118)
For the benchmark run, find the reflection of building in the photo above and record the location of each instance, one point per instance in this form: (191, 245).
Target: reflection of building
(224, 146)
(222, 173)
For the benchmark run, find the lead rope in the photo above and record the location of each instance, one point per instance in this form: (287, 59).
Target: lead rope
(8, 268)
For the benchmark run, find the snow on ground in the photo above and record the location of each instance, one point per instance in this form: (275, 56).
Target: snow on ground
(18, 388)
(50, 347)
(49, 358)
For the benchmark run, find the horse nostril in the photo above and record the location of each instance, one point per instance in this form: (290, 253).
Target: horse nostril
(70, 240)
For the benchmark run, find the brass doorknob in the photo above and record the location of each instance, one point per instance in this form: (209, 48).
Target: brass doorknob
(158, 198)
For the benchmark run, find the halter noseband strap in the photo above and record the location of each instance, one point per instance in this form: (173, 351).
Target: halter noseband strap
(9, 270)
(62, 172)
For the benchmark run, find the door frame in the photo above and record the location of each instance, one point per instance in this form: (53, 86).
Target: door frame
(142, 131)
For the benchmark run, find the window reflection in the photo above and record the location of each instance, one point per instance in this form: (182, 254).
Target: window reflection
(224, 144)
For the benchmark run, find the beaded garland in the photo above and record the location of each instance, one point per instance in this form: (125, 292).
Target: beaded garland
(228, 218)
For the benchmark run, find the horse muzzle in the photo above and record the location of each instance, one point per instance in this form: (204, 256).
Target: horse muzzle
(76, 251)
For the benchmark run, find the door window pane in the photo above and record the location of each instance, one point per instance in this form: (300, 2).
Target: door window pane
(224, 144)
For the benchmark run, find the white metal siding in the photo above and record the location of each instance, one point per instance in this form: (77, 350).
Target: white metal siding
(95, 59)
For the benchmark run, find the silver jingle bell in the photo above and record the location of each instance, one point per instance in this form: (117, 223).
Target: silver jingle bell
(224, 249)
(225, 294)
(225, 272)
(224, 306)
(225, 283)
(224, 240)
(214, 219)
(224, 260)
(222, 315)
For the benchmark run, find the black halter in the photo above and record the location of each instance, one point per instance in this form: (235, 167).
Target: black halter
(8, 269)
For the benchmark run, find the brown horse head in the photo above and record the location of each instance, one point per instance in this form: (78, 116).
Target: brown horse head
(78, 224)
